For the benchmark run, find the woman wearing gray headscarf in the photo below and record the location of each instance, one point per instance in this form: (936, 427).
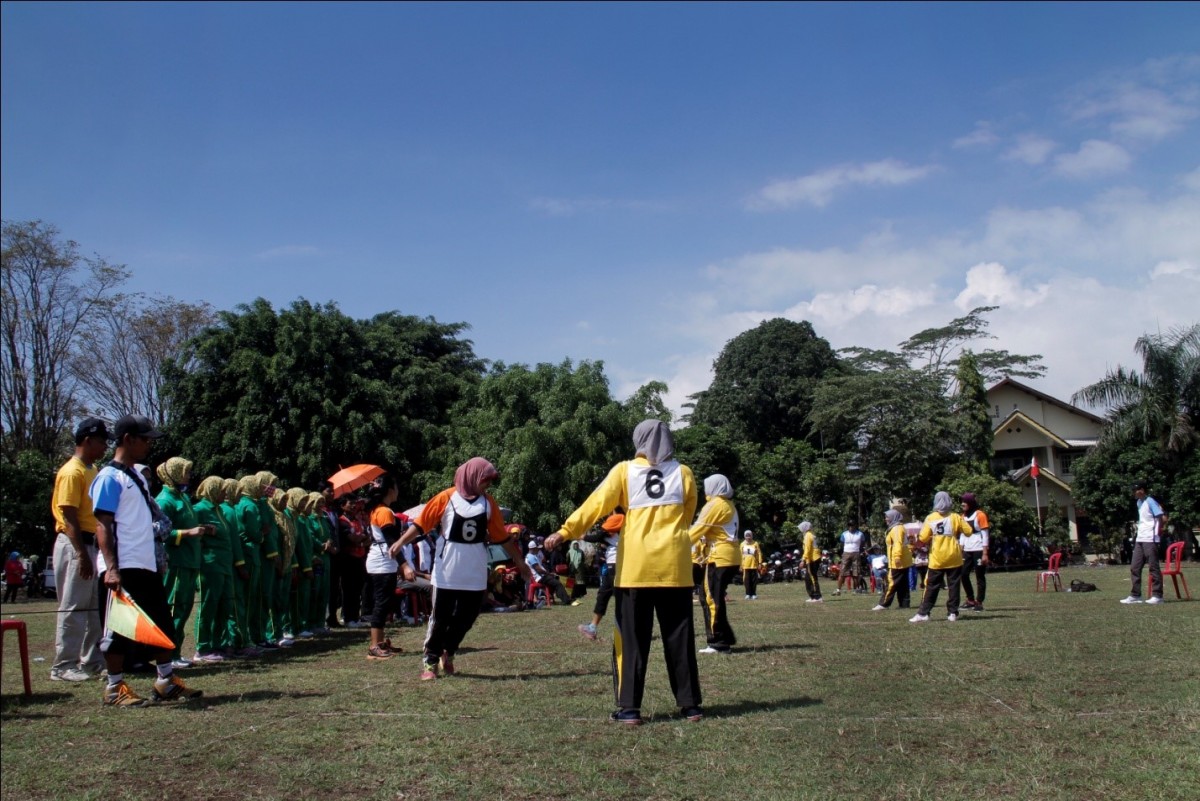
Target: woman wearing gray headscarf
(940, 532)
(654, 567)
(812, 563)
(899, 561)
(717, 527)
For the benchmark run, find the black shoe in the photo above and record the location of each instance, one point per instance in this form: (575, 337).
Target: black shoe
(630, 717)
(978, 607)
(692, 713)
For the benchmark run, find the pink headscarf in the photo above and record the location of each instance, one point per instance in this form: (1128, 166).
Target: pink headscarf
(471, 473)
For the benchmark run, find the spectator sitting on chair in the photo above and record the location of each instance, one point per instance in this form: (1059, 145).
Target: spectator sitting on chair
(544, 577)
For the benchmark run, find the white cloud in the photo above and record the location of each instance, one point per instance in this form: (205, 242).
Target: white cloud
(982, 136)
(1145, 104)
(288, 252)
(990, 284)
(1094, 158)
(1180, 267)
(1031, 149)
(818, 189)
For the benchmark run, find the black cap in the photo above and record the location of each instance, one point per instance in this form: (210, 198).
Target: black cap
(138, 424)
(90, 427)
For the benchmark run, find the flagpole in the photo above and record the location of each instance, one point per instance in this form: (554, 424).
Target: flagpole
(1038, 499)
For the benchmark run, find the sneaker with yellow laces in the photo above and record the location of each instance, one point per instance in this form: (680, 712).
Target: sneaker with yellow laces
(119, 694)
(172, 688)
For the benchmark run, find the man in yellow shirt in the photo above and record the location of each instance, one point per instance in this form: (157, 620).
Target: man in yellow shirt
(941, 531)
(654, 568)
(77, 654)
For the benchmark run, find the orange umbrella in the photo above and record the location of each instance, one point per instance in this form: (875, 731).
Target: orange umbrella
(348, 479)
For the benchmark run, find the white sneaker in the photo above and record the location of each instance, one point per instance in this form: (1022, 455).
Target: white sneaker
(306, 635)
(919, 618)
(70, 674)
(747, 598)
(1131, 600)
(1154, 600)
(709, 650)
(951, 618)
(878, 608)
(181, 664)
(286, 642)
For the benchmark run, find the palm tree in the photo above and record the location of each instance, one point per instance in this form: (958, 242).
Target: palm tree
(1162, 403)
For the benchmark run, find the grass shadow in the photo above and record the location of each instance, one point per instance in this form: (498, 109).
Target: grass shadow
(762, 649)
(748, 706)
(565, 674)
(255, 696)
(13, 708)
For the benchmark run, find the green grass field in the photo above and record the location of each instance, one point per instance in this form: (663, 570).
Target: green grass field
(1044, 696)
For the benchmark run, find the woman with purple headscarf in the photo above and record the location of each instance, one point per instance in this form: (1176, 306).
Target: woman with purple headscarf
(467, 519)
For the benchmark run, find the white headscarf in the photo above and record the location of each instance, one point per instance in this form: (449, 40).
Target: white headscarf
(893, 517)
(652, 439)
(717, 486)
(942, 502)
(805, 527)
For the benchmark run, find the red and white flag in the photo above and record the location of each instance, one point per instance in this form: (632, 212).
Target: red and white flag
(1034, 470)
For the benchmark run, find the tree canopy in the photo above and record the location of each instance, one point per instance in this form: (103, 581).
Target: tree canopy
(764, 380)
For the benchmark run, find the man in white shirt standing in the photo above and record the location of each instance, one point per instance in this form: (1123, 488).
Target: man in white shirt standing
(125, 538)
(1151, 519)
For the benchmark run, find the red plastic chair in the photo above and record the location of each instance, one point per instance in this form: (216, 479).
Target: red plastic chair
(531, 593)
(22, 644)
(1051, 573)
(1174, 569)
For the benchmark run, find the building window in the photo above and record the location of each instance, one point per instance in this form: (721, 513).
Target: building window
(1067, 460)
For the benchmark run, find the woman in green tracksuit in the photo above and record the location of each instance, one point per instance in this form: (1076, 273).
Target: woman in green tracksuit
(250, 526)
(271, 567)
(322, 542)
(183, 548)
(216, 574)
(297, 500)
(236, 634)
(287, 561)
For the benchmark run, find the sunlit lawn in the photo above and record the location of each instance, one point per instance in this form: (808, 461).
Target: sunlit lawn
(1044, 696)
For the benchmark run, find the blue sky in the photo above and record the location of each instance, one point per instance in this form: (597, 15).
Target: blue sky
(631, 183)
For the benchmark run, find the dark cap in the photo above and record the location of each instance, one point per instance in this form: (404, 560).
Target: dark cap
(90, 427)
(138, 424)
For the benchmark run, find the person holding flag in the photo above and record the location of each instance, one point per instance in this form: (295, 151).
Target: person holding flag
(128, 569)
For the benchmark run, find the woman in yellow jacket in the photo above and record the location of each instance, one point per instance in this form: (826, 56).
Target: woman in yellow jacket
(940, 531)
(752, 560)
(899, 560)
(812, 563)
(654, 567)
(717, 528)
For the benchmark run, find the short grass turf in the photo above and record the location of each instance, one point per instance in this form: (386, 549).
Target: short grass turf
(1044, 695)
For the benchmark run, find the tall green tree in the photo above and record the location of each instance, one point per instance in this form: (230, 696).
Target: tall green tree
(971, 418)
(901, 428)
(306, 389)
(553, 431)
(938, 349)
(1159, 404)
(49, 295)
(763, 383)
